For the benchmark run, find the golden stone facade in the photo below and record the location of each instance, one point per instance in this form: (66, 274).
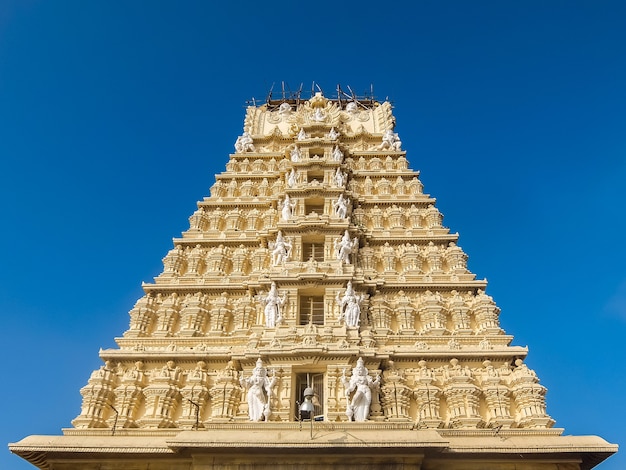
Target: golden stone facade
(316, 262)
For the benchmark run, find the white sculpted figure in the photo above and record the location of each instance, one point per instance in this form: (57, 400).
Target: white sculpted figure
(341, 206)
(318, 115)
(391, 141)
(287, 208)
(281, 249)
(292, 178)
(362, 385)
(244, 143)
(340, 178)
(273, 304)
(350, 306)
(259, 388)
(337, 154)
(284, 110)
(345, 246)
(302, 135)
(333, 134)
(295, 154)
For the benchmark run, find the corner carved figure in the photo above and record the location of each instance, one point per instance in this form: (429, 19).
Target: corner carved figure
(391, 141)
(281, 249)
(244, 143)
(259, 387)
(345, 246)
(287, 208)
(362, 385)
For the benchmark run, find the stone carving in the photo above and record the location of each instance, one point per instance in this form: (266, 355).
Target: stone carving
(273, 307)
(244, 143)
(333, 135)
(226, 393)
(295, 154)
(340, 207)
(337, 154)
(302, 135)
(391, 141)
(259, 387)
(345, 246)
(362, 385)
(340, 178)
(281, 249)
(287, 207)
(350, 306)
(291, 178)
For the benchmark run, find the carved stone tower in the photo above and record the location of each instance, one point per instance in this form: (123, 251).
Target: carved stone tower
(317, 282)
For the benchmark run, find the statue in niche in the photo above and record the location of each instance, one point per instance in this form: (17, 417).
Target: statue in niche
(244, 143)
(340, 178)
(287, 208)
(259, 387)
(341, 206)
(333, 134)
(281, 249)
(302, 135)
(362, 385)
(291, 178)
(345, 246)
(337, 154)
(350, 306)
(391, 141)
(295, 154)
(273, 305)
(368, 186)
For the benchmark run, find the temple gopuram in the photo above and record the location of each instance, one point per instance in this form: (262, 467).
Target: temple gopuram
(316, 314)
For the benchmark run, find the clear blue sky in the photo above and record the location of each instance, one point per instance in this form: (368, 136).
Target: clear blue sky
(115, 116)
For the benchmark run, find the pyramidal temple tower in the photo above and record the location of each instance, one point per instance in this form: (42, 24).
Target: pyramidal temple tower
(317, 313)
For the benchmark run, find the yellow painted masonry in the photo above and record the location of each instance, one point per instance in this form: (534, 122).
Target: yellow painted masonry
(317, 313)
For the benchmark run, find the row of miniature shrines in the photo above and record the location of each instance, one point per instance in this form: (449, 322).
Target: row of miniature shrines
(220, 260)
(428, 313)
(453, 395)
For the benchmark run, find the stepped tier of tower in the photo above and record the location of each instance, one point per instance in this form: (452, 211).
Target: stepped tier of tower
(319, 203)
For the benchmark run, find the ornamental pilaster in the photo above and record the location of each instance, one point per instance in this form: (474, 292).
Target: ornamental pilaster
(163, 397)
(98, 398)
(396, 395)
(225, 394)
(427, 397)
(195, 394)
(462, 396)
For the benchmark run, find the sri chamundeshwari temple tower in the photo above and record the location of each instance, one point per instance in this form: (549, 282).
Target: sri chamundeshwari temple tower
(317, 313)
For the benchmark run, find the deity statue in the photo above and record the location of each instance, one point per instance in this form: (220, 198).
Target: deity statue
(341, 206)
(318, 115)
(362, 385)
(350, 306)
(295, 154)
(340, 178)
(259, 387)
(291, 178)
(337, 154)
(391, 141)
(284, 110)
(244, 143)
(273, 303)
(301, 135)
(333, 134)
(345, 246)
(287, 208)
(281, 249)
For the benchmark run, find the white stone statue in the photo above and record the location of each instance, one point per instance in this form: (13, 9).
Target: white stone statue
(273, 304)
(244, 143)
(302, 135)
(337, 154)
(259, 388)
(295, 154)
(391, 141)
(292, 178)
(345, 246)
(333, 134)
(284, 110)
(351, 107)
(287, 208)
(281, 249)
(362, 385)
(341, 206)
(318, 115)
(350, 306)
(340, 177)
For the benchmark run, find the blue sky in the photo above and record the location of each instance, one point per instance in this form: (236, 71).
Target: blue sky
(115, 116)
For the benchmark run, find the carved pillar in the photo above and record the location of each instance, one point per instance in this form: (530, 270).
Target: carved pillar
(225, 394)
(486, 314)
(142, 317)
(431, 314)
(396, 395)
(198, 220)
(195, 394)
(194, 315)
(497, 397)
(462, 397)
(220, 314)
(129, 397)
(168, 316)
(98, 397)
(162, 398)
(459, 313)
(529, 398)
(427, 397)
